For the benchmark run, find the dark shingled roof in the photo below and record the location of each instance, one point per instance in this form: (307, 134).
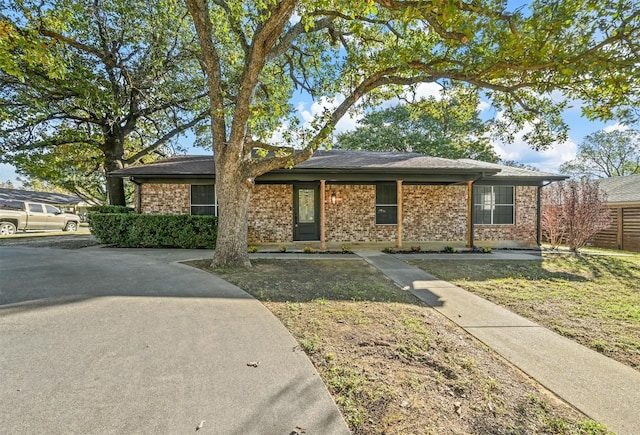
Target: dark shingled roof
(510, 171)
(622, 189)
(45, 197)
(342, 161)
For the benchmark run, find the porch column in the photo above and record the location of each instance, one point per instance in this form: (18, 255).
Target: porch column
(469, 214)
(620, 228)
(399, 201)
(323, 244)
(539, 216)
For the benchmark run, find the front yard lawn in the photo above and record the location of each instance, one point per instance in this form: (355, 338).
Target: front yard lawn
(592, 298)
(394, 365)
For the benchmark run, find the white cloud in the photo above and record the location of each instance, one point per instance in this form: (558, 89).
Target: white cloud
(615, 127)
(347, 123)
(548, 160)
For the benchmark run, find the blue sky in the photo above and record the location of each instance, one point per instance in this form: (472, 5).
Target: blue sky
(548, 160)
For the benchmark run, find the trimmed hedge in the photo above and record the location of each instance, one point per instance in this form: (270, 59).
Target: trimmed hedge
(154, 231)
(109, 209)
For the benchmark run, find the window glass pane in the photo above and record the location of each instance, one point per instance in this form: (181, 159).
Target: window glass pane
(493, 205)
(504, 194)
(203, 210)
(306, 206)
(36, 208)
(386, 194)
(51, 209)
(481, 216)
(387, 215)
(503, 214)
(203, 194)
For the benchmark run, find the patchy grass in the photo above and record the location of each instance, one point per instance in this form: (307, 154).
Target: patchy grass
(592, 298)
(393, 365)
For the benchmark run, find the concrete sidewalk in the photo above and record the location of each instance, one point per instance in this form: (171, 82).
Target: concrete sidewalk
(603, 389)
(129, 341)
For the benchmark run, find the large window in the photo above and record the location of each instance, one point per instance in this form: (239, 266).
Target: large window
(203, 200)
(386, 204)
(493, 205)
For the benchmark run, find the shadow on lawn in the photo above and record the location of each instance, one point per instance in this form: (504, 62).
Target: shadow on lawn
(309, 280)
(484, 270)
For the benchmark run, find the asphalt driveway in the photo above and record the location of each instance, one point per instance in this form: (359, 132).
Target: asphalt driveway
(103, 340)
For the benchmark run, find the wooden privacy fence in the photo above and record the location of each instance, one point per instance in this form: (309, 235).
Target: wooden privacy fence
(624, 231)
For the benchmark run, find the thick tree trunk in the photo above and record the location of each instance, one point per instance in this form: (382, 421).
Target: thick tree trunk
(113, 150)
(233, 189)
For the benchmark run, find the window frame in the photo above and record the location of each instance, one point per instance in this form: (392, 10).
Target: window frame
(480, 201)
(214, 204)
(387, 205)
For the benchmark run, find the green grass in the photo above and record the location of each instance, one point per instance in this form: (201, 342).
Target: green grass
(592, 298)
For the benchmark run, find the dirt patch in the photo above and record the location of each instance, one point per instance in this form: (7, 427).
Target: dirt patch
(394, 365)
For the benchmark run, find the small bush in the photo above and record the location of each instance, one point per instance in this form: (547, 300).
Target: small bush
(388, 250)
(416, 248)
(450, 249)
(282, 249)
(154, 231)
(252, 249)
(309, 250)
(346, 249)
(485, 250)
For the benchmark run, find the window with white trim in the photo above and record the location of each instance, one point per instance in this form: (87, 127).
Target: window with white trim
(493, 205)
(203, 200)
(386, 204)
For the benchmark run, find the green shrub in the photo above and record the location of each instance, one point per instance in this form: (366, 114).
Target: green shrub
(106, 209)
(252, 249)
(450, 249)
(154, 231)
(346, 249)
(282, 249)
(308, 250)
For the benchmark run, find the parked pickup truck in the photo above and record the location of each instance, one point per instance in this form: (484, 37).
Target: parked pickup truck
(23, 215)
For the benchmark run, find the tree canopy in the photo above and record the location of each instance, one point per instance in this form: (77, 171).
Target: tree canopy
(606, 154)
(439, 127)
(90, 86)
(529, 61)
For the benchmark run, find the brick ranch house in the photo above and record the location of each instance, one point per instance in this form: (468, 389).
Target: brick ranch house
(339, 197)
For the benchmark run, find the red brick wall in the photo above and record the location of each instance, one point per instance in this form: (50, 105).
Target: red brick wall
(165, 198)
(430, 213)
(271, 213)
(434, 213)
(522, 233)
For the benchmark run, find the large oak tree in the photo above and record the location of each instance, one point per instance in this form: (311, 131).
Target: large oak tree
(606, 154)
(529, 61)
(446, 126)
(91, 86)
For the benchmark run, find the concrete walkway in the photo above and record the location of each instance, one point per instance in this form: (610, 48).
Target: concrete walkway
(124, 341)
(603, 389)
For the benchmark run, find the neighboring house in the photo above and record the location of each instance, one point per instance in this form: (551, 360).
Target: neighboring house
(623, 198)
(353, 196)
(57, 199)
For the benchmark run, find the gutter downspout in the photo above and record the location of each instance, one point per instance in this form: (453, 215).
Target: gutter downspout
(539, 213)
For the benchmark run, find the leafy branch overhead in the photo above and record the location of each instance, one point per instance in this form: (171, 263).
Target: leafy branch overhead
(528, 61)
(92, 86)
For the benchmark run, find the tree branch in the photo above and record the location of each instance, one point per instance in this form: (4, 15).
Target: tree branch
(164, 139)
